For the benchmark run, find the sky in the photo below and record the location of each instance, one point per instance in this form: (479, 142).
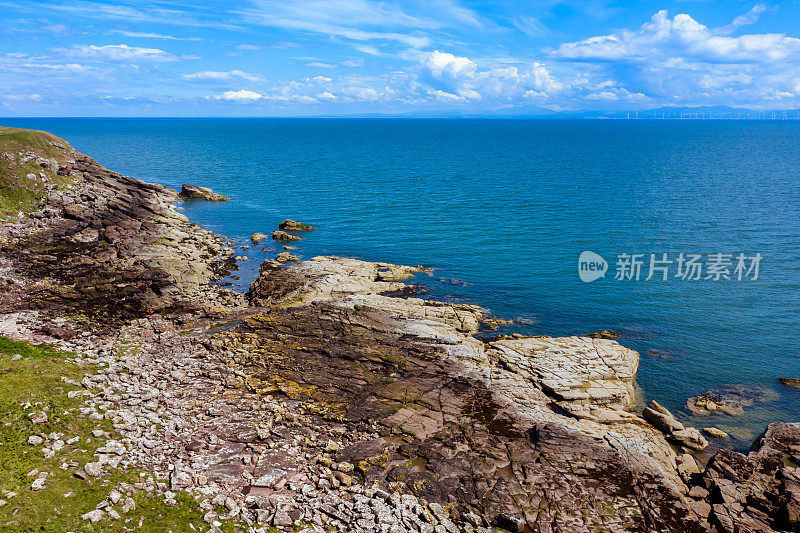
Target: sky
(345, 57)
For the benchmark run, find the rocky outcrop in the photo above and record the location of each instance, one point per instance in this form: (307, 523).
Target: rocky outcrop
(110, 245)
(293, 225)
(196, 192)
(759, 491)
(521, 431)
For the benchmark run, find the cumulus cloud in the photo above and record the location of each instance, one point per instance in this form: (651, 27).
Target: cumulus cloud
(681, 36)
(118, 52)
(215, 75)
(679, 60)
(242, 95)
(451, 76)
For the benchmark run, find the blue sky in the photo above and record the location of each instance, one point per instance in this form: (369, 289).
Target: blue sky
(285, 57)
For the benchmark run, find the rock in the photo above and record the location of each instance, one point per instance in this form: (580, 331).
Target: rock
(716, 433)
(256, 237)
(729, 399)
(283, 236)
(661, 418)
(687, 466)
(293, 225)
(39, 483)
(285, 257)
(128, 505)
(93, 469)
(35, 440)
(94, 516)
(59, 332)
(690, 438)
(282, 518)
(792, 383)
(196, 192)
(605, 334)
(38, 417)
(179, 480)
(667, 356)
(756, 492)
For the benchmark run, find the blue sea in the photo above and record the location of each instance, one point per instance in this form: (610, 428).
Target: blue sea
(502, 209)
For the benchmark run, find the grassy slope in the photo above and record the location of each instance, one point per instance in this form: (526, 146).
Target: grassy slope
(17, 191)
(36, 378)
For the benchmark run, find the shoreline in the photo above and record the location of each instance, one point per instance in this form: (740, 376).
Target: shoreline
(431, 406)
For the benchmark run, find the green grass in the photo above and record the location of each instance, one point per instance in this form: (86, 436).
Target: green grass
(33, 383)
(17, 191)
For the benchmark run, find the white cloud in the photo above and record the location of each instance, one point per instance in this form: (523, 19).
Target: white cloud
(239, 96)
(318, 64)
(146, 35)
(530, 26)
(680, 36)
(214, 75)
(355, 20)
(362, 94)
(118, 52)
(751, 17)
(249, 47)
(21, 97)
(326, 96)
(681, 60)
(460, 76)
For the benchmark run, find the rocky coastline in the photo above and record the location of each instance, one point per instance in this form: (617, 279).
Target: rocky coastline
(329, 397)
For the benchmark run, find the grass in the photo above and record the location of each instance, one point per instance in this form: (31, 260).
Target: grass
(32, 383)
(18, 191)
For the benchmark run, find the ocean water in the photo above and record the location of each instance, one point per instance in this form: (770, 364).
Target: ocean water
(502, 209)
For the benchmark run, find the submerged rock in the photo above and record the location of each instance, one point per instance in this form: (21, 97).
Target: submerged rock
(792, 383)
(729, 399)
(196, 192)
(293, 225)
(605, 334)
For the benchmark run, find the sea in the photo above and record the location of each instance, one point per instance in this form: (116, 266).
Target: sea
(693, 225)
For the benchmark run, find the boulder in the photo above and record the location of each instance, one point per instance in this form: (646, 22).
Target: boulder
(689, 438)
(661, 418)
(293, 225)
(285, 257)
(283, 236)
(256, 237)
(196, 192)
(716, 433)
